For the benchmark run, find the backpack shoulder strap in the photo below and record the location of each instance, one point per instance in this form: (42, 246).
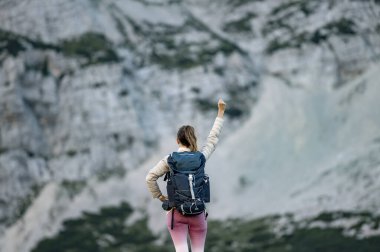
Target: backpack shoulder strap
(170, 162)
(167, 174)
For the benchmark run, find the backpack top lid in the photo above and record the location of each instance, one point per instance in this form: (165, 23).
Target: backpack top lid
(186, 161)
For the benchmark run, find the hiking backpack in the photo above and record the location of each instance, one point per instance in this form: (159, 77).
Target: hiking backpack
(188, 186)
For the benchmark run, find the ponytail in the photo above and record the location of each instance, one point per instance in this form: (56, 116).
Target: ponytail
(186, 136)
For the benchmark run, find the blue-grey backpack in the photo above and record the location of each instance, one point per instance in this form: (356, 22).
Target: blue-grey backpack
(188, 186)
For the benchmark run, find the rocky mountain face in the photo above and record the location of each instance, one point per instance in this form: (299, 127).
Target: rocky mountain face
(92, 93)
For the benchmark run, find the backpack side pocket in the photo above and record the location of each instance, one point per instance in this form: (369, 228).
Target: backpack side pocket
(206, 188)
(170, 188)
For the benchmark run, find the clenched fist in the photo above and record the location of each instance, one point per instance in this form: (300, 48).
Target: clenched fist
(221, 108)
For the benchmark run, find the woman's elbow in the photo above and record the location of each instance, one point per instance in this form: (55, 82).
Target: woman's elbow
(148, 178)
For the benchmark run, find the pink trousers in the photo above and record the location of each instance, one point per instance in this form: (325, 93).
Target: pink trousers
(195, 226)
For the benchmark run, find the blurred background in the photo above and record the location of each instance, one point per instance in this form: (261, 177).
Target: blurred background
(92, 93)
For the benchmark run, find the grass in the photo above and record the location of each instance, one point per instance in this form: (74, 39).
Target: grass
(257, 235)
(106, 230)
(327, 240)
(103, 231)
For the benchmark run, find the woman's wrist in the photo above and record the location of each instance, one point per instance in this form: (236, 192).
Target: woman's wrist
(162, 197)
(220, 113)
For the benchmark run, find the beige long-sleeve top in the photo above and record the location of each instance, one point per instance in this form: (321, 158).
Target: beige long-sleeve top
(162, 166)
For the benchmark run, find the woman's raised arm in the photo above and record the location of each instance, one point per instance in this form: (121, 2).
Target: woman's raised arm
(213, 137)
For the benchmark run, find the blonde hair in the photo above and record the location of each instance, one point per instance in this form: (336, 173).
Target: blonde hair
(186, 136)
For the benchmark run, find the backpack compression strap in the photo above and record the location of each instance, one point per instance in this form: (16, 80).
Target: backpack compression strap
(191, 178)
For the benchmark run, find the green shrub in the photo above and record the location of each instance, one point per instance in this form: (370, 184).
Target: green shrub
(103, 231)
(92, 46)
(106, 231)
(240, 25)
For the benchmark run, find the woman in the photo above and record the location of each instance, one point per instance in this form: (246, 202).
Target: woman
(195, 226)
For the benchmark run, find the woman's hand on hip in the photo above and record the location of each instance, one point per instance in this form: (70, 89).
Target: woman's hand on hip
(163, 198)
